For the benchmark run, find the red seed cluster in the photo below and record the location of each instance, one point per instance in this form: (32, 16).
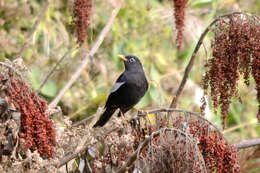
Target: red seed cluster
(236, 52)
(81, 18)
(219, 156)
(256, 73)
(179, 14)
(36, 127)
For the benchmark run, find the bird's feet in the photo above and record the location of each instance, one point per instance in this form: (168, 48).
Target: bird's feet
(124, 120)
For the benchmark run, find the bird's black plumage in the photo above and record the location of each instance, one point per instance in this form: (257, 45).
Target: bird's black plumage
(129, 88)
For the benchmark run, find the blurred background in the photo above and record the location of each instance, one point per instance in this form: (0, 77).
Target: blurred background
(144, 28)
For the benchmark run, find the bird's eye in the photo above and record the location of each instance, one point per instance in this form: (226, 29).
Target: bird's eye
(132, 60)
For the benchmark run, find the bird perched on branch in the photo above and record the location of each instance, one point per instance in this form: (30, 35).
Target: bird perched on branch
(129, 88)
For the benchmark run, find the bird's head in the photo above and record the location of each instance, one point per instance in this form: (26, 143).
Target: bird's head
(132, 63)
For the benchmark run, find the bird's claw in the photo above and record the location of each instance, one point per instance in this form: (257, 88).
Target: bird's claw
(124, 120)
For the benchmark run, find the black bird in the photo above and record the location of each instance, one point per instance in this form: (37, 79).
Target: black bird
(129, 88)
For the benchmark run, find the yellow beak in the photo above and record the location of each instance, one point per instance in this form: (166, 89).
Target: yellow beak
(122, 57)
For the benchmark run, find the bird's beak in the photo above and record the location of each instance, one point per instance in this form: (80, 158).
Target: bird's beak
(122, 57)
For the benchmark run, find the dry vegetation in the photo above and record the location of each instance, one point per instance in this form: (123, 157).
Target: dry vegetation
(37, 137)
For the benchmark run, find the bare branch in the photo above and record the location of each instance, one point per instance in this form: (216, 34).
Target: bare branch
(190, 65)
(31, 33)
(84, 121)
(247, 143)
(68, 158)
(154, 111)
(53, 69)
(91, 53)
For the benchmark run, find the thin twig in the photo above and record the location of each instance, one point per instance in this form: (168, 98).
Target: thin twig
(191, 62)
(91, 53)
(247, 143)
(36, 24)
(84, 121)
(239, 126)
(154, 111)
(54, 69)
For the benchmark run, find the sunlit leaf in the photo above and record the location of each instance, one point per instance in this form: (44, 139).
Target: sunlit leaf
(49, 89)
(200, 3)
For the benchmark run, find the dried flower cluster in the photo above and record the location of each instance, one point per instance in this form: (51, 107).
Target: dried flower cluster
(191, 145)
(236, 52)
(81, 18)
(36, 127)
(171, 151)
(179, 14)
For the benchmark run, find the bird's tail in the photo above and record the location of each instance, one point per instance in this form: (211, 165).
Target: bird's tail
(105, 117)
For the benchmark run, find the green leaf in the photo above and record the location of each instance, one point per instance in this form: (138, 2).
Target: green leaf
(154, 93)
(49, 89)
(200, 3)
(35, 74)
(155, 76)
(143, 102)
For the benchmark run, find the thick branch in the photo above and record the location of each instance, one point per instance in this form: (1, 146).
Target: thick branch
(190, 65)
(91, 53)
(31, 33)
(247, 143)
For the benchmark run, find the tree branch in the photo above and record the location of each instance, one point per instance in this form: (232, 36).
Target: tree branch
(91, 53)
(154, 111)
(68, 158)
(191, 62)
(53, 69)
(31, 33)
(247, 143)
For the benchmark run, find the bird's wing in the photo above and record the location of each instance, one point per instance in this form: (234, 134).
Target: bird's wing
(119, 82)
(117, 86)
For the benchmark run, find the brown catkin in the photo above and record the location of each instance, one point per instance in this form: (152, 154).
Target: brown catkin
(81, 18)
(179, 15)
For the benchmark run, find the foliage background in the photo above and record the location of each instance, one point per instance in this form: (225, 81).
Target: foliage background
(144, 28)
